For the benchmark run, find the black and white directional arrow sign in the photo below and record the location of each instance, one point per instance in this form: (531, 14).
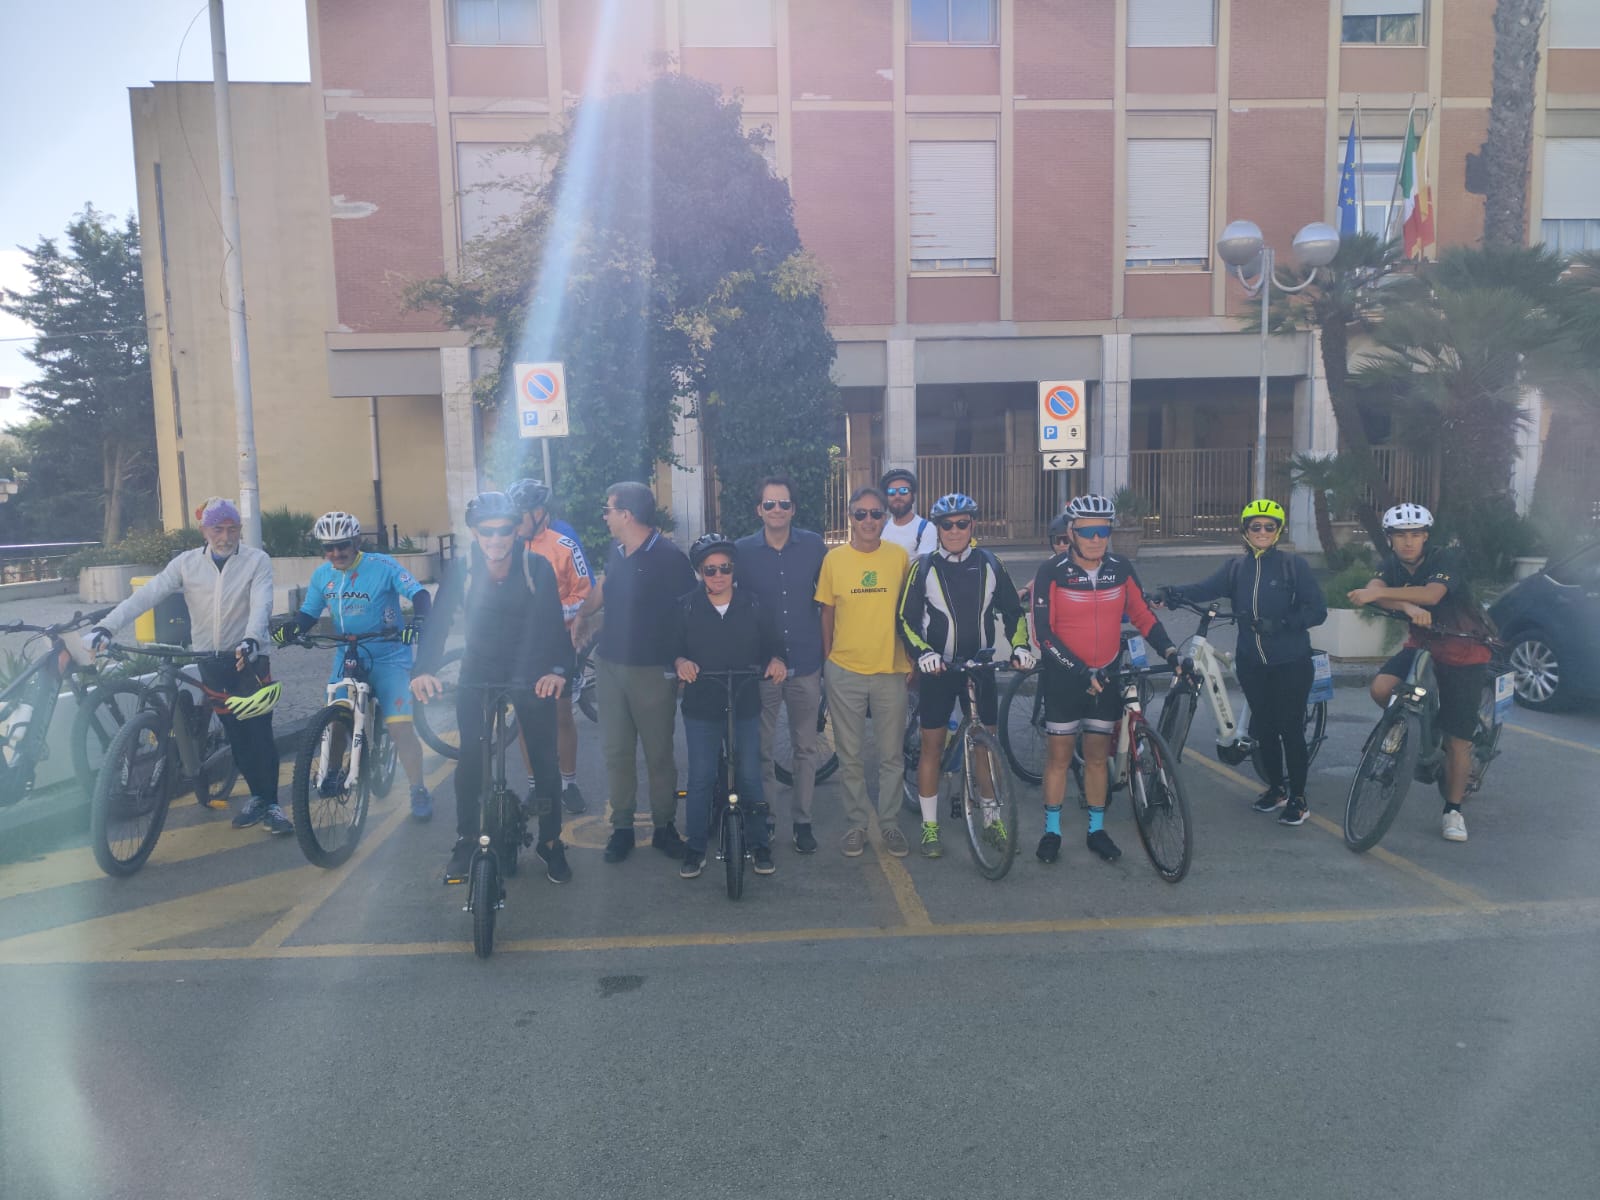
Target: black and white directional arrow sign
(1064, 460)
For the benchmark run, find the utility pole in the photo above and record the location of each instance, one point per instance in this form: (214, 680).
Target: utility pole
(233, 267)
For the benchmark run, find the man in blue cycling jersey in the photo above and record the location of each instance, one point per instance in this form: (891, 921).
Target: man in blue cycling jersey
(362, 592)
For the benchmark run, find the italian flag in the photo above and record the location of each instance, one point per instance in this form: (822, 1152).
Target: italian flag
(1416, 196)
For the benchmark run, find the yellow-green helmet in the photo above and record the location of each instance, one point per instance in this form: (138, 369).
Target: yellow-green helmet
(257, 704)
(1263, 508)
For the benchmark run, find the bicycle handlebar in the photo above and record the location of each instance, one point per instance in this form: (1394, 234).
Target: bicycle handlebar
(77, 621)
(345, 639)
(1202, 610)
(1429, 630)
(170, 653)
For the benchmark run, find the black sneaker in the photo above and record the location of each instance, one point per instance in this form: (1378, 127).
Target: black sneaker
(667, 841)
(804, 842)
(555, 862)
(455, 871)
(253, 811)
(693, 863)
(619, 846)
(1271, 800)
(1049, 848)
(1294, 812)
(1100, 842)
(762, 858)
(276, 821)
(572, 799)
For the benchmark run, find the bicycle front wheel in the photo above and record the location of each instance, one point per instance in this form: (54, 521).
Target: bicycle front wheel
(106, 709)
(1316, 732)
(733, 850)
(483, 898)
(1160, 808)
(991, 805)
(330, 807)
(131, 794)
(1022, 734)
(1382, 779)
(826, 759)
(1177, 714)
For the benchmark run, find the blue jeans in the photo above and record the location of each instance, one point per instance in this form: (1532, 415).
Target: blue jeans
(704, 739)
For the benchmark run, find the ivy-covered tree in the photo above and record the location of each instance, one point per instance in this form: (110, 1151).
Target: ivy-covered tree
(660, 263)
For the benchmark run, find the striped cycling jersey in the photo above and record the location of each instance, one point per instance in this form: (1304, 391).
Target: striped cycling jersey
(565, 557)
(1078, 618)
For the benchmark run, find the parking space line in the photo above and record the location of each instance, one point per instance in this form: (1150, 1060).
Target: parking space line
(1549, 737)
(912, 910)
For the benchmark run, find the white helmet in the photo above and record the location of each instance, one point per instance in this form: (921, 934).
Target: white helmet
(1091, 506)
(335, 527)
(1407, 516)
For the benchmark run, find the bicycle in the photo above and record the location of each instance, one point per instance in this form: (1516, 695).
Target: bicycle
(783, 746)
(1234, 744)
(435, 721)
(172, 743)
(1406, 743)
(990, 820)
(727, 814)
(585, 693)
(345, 758)
(502, 822)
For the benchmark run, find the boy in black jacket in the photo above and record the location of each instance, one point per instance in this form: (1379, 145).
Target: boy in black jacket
(719, 628)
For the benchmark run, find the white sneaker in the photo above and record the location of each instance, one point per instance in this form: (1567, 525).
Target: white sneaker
(1454, 827)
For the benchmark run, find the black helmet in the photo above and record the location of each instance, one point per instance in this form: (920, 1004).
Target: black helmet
(1059, 526)
(708, 544)
(528, 494)
(487, 506)
(894, 473)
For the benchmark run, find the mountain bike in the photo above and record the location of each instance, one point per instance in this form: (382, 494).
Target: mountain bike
(584, 692)
(502, 822)
(1406, 744)
(986, 805)
(1234, 744)
(728, 812)
(435, 721)
(172, 743)
(346, 756)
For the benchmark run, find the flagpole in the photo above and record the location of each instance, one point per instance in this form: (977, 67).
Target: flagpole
(1361, 173)
(1399, 170)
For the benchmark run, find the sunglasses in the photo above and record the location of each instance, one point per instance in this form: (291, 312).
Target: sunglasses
(1061, 539)
(1262, 527)
(606, 509)
(1094, 531)
(496, 531)
(769, 505)
(956, 523)
(862, 514)
(711, 569)
(898, 491)
(338, 547)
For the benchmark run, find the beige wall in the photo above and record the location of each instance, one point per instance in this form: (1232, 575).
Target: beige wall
(313, 452)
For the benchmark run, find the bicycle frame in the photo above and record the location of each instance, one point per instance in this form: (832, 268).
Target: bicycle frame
(354, 691)
(39, 689)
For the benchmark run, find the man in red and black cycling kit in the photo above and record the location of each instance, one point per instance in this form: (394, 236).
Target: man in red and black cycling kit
(1081, 597)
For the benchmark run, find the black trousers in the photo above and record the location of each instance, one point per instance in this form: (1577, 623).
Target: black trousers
(537, 720)
(254, 749)
(1277, 696)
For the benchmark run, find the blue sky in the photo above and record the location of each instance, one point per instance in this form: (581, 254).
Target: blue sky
(67, 69)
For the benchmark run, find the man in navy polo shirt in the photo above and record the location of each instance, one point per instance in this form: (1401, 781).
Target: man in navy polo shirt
(634, 672)
(780, 564)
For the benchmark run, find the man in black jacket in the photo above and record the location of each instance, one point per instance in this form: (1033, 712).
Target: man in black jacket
(515, 634)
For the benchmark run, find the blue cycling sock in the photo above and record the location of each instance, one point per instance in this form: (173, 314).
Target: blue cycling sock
(1052, 819)
(1097, 820)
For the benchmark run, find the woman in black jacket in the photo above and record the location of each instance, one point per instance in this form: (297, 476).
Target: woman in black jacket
(1277, 601)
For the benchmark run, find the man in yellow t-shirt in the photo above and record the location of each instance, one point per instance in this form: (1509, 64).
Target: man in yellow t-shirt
(865, 666)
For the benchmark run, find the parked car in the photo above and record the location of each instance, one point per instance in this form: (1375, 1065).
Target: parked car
(1551, 622)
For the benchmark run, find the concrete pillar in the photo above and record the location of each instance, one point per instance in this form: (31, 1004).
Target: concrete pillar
(900, 405)
(460, 432)
(1315, 433)
(1111, 420)
(688, 481)
(1530, 446)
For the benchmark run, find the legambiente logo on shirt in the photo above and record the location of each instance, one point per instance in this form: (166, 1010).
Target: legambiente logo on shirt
(869, 583)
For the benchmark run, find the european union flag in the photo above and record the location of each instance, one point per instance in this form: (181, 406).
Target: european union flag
(1348, 219)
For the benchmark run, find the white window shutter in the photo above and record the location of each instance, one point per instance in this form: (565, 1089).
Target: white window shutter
(1574, 24)
(953, 202)
(1169, 199)
(1571, 179)
(1382, 8)
(481, 208)
(727, 23)
(1172, 23)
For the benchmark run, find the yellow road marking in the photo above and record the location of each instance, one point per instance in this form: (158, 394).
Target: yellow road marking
(1458, 892)
(1549, 737)
(912, 910)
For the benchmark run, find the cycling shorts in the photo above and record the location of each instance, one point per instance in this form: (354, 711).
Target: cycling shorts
(1070, 709)
(390, 677)
(938, 695)
(1460, 691)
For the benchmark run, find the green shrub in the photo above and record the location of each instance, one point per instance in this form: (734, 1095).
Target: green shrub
(1336, 588)
(152, 546)
(1488, 534)
(286, 534)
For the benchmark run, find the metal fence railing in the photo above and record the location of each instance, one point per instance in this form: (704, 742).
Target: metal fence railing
(1410, 475)
(1199, 493)
(1016, 498)
(30, 562)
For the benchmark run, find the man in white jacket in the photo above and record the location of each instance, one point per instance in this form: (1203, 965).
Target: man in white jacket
(228, 588)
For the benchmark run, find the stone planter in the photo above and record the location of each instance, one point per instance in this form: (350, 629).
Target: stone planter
(1348, 634)
(1125, 541)
(109, 585)
(1521, 568)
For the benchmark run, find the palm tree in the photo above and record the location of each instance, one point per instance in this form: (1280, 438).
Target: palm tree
(1337, 483)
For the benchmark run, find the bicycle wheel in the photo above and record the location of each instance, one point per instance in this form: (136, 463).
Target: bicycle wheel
(911, 756)
(435, 721)
(483, 898)
(218, 772)
(733, 849)
(583, 689)
(385, 760)
(1177, 714)
(992, 823)
(328, 816)
(105, 710)
(1160, 808)
(131, 794)
(1382, 777)
(1022, 734)
(1316, 732)
(827, 760)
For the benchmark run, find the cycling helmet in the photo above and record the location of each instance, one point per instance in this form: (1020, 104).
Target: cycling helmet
(1407, 516)
(1059, 526)
(1091, 506)
(708, 544)
(335, 527)
(486, 506)
(257, 704)
(956, 504)
(894, 473)
(528, 494)
(1263, 508)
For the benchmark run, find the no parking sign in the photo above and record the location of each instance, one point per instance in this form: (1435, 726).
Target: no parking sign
(541, 400)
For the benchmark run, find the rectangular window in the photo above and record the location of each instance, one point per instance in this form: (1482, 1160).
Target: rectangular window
(1377, 174)
(1574, 25)
(494, 181)
(496, 23)
(1571, 207)
(1169, 202)
(1382, 23)
(955, 22)
(953, 206)
(1172, 23)
(727, 23)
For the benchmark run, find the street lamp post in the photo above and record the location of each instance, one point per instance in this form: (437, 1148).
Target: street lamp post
(1242, 247)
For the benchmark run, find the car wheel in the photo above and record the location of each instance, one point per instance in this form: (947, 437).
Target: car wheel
(1537, 665)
